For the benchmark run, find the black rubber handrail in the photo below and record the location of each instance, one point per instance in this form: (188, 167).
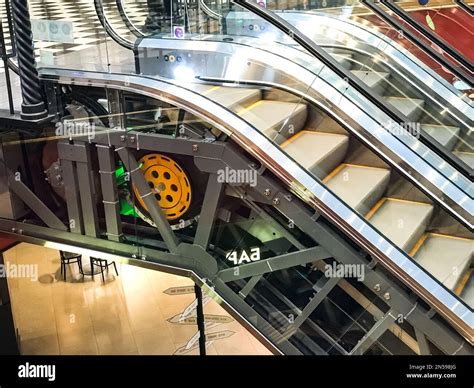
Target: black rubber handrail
(408, 33)
(317, 52)
(466, 7)
(99, 9)
(425, 31)
(123, 14)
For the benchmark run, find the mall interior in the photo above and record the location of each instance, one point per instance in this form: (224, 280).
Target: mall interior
(217, 177)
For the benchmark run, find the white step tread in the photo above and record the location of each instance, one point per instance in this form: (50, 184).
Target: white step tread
(359, 186)
(276, 117)
(318, 152)
(403, 222)
(410, 107)
(445, 257)
(467, 157)
(231, 98)
(370, 78)
(445, 135)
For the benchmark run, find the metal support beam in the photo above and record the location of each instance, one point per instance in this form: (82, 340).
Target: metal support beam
(87, 192)
(34, 203)
(143, 189)
(422, 343)
(272, 264)
(200, 320)
(208, 211)
(73, 202)
(311, 306)
(249, 286)
(110, 197)
(380, 327)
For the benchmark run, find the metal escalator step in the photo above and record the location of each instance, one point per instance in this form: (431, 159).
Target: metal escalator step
(278, 120)
(359, 186)
(344, 59)
(410, 107)
(319, 152)
(467, 157)
(232, 98)
(445, 257)
(444, 135)
(403, 222)
(375, 80)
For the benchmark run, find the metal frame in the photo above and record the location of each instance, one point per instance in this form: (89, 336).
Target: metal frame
(331, 207)
(195, 257)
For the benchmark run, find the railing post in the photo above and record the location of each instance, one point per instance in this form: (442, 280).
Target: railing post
(33, 106)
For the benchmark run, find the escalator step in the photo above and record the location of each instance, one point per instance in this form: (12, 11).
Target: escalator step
(445, 257)
(232, 98)
(359, 186)
(375, 80)
(444, 135)
(278, 120)
(403, 222)
(467, 157)
(319, 152)
(410, 107)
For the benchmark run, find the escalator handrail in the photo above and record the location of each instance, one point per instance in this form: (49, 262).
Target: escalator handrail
(304, 96)
(300, 181)
(313, 49)
(99, 9)
(410, 35)
(452, 52)
(209, 12)
(130, 25)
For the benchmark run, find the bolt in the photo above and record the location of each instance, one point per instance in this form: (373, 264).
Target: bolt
(386, 296)
(377, 288)
(276, 201)
(267, 192)
(195, 147)
(59, 177)
(132, 139)
(122, 137)
(143, 257)
(14, 230)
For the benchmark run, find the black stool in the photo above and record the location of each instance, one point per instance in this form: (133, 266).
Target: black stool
(103, 265)
(70, 258)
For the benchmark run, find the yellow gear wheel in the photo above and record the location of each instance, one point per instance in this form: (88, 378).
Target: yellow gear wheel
(168, 182)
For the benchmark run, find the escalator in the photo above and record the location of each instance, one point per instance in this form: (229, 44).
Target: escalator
(445, 119)
(340, 162)
(350, 201)
(363, 181)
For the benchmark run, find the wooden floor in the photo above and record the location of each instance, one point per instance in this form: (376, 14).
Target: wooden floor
(129, 314)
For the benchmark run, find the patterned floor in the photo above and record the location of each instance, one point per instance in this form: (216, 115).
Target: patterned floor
(87, 30)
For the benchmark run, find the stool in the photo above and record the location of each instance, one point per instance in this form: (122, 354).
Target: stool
(103, 265)
(70, 258)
